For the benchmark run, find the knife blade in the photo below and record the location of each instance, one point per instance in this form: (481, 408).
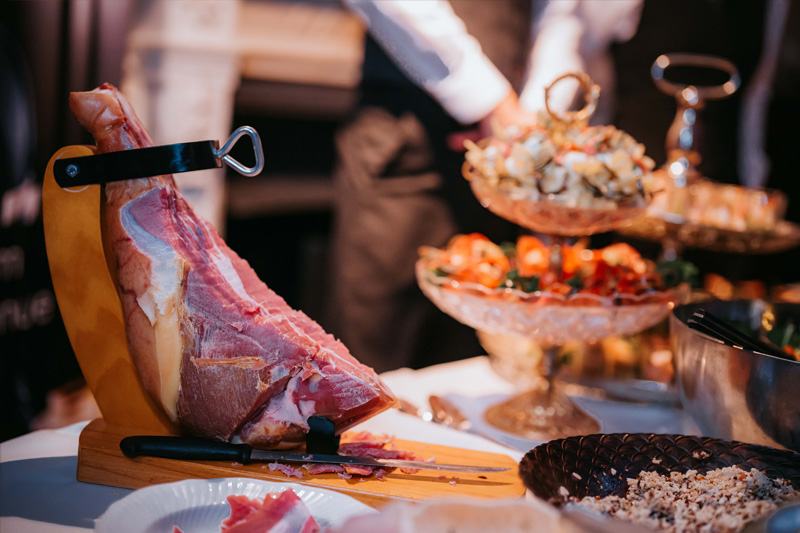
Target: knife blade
(188, 448)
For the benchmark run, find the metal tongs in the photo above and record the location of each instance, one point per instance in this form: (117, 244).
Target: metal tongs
(710, 325)
(157, 160)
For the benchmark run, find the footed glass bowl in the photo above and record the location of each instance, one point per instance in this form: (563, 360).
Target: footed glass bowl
(549, 318)
(784, 236)
(547, 213)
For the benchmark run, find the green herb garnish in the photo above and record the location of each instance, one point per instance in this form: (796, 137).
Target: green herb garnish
(575, 282)
(523, 283)
(509, 248)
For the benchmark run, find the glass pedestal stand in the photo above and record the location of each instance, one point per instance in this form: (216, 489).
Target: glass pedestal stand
(508, 319)
(543, 412)
(674, 237)
(678, 216)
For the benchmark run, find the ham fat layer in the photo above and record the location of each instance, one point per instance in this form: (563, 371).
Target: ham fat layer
(223, 354)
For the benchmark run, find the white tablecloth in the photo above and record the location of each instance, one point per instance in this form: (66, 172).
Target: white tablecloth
(39, 493)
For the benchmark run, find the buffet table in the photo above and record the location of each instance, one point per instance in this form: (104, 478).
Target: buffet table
(39, 492)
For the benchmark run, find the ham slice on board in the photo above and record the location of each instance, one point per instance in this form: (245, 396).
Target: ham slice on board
(224, 355)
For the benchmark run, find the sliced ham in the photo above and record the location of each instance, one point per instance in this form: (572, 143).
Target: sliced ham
(361, 444)
(224, 355)
(286, 469)
(359, 470)
(241, 508)
(282, 512)
(323, 468)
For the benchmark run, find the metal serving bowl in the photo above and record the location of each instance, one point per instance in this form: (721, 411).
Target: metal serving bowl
(600, 465)
(733, 393)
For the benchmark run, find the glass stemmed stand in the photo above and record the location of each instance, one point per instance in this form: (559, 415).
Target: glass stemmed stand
(750, 220)
(505, 317)
(508, 318)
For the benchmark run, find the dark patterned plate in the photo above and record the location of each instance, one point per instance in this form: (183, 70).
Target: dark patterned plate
(599, 465)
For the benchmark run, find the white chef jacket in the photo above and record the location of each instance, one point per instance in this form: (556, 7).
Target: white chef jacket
(430, 43)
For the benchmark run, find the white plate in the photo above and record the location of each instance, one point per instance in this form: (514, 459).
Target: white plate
(199, 505)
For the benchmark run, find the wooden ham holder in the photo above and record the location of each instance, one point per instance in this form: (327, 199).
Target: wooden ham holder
(93, 319)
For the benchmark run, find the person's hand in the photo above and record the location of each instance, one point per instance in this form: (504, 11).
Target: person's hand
(507, 113)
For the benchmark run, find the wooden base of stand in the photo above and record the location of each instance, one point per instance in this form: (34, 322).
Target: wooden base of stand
(101, 461)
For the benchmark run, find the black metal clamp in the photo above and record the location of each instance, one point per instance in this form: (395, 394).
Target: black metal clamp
(156, 161)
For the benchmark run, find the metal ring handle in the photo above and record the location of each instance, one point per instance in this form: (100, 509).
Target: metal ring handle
(702, 92)
(234, 164)
(591, 95)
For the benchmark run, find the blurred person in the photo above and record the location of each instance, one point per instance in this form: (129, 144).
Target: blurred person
(434, 74)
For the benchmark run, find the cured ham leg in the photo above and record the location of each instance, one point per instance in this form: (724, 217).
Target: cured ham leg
(223, 354)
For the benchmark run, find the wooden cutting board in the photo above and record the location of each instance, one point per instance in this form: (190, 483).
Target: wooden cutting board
(101, 461)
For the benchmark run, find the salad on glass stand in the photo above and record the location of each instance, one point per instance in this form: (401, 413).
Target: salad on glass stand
(561, 179)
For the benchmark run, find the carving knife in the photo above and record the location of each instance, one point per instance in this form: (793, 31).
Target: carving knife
(207, 450)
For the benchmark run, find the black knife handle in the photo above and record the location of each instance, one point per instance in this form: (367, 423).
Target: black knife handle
(185, 448)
